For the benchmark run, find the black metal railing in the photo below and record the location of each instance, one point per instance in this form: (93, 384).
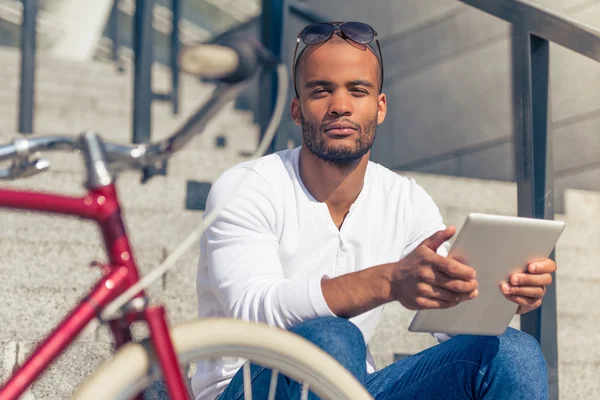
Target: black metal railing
(272, 21)
(533, 27)
(28, 48)
(302, 11)
(143, 47)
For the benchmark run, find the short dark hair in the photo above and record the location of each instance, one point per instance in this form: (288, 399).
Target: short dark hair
(299, 64)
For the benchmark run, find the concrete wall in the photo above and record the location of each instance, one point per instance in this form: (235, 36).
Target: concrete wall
(448, 81)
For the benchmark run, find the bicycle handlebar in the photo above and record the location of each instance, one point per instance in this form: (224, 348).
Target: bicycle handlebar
(232, 64)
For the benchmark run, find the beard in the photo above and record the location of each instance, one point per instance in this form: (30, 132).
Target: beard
(339, 154)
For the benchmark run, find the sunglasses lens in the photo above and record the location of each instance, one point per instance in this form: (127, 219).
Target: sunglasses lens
(316, 33)
(358, 32)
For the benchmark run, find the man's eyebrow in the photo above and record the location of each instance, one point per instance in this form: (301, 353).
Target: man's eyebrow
(315, 83)
(361, 82)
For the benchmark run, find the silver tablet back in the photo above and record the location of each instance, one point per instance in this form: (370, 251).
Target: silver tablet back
(496, 247)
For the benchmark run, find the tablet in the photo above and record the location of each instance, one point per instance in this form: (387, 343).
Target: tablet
(496, 247)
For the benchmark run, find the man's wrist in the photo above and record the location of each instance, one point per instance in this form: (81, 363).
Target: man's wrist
(381, 277)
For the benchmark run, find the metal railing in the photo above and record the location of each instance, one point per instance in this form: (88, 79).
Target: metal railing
(533, 27)
(272, 21)
(28, 45)
(143, 46)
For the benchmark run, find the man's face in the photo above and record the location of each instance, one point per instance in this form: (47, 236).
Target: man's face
(340, 105)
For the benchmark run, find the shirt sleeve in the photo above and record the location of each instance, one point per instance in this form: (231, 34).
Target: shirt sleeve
(244, 267)
(426, 220)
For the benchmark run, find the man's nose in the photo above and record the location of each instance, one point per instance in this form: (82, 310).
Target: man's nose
(340, 105)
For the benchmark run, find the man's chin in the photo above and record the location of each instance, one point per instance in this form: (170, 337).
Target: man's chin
(338, 154)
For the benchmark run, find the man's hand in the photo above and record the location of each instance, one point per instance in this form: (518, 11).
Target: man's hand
(527, 289)
(424, 279)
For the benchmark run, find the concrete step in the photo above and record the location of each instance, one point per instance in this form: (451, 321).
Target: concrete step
(571, 301)
(577, 262)
(84, 105)
(39, 288)
(64, 376)
(158, 194)
(578, 336)
(161, 193)
(93, 71)
(475, 195)
(119, 126)
(46, 92)
(582, 205)
(68, 372)
(578, 380)
(47, 84)
(457, 196)
(144, 227)
(13, 55)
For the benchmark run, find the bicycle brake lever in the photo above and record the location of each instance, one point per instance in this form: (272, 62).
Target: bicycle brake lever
(151, 171)
(27, 168)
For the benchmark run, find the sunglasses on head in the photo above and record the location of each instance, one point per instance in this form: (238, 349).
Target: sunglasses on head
(320, 32)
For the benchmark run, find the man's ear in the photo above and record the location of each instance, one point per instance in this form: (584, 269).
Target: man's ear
(381, 108)
(296, 112)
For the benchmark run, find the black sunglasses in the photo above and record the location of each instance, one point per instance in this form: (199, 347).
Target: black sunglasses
(320, 32)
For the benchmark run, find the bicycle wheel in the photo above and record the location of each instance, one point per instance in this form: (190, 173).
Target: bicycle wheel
(133, 367)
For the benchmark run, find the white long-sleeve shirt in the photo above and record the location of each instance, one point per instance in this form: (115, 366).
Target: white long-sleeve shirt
(264, 257)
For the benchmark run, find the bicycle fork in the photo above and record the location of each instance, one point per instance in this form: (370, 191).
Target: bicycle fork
(162, 344)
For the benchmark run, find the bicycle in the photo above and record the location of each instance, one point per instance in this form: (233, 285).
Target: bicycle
(119, 297)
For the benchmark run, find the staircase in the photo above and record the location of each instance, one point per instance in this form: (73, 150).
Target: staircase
(70, 98)
(35, 249)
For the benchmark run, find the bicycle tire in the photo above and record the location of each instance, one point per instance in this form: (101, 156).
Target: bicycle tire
(133, 368)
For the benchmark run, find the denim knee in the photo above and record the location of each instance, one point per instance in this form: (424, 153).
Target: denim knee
(522, 350)
(336, 336)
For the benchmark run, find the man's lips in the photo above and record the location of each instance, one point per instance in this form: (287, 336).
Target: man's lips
(340, 129)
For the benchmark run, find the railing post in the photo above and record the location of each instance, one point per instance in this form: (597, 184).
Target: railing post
(535, 182)
(271, 32)
(114, 35)
(306, 13)
(143, 95)
(176, 9)
(28, 41)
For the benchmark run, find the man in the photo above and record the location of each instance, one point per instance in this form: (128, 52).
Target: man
(318, 239)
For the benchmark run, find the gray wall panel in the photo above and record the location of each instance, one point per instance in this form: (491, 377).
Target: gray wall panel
(459, 103)
(577, 144)
(409, 54)
(495, 163)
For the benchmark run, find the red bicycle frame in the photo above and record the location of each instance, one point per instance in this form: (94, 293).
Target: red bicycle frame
(102, 206)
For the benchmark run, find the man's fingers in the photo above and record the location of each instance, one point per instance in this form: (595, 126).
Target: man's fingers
(526, 279)
(525, 301)
(434, 241)
(534, 292)
(438, 278)
(438, 293)
(424, 303)
(546, 266)
(452, 268)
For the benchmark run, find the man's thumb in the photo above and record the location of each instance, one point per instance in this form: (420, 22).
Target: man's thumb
(434, 241)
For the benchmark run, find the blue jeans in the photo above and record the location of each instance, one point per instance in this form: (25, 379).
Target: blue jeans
(504, 367)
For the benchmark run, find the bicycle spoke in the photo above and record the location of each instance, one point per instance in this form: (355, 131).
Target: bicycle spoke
(247, 381)
(273, 386)
(304, 391)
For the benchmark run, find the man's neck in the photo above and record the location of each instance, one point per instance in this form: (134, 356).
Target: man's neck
(336, 185)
